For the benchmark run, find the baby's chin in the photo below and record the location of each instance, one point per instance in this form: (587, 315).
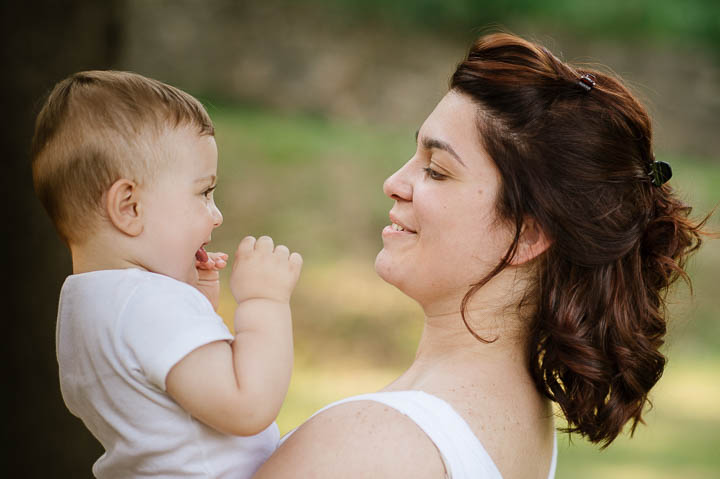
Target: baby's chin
(192, 275)
(189, 275)
(179, 269)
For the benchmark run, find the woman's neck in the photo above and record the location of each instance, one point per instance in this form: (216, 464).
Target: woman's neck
(448, 348)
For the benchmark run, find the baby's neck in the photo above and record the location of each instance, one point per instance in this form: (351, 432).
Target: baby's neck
(100, 253)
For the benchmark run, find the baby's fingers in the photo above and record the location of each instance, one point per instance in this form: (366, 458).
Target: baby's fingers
(296, 261)
(215, 261)
(282, 251)
(208, 265)
(220, 260)
(246, 247)
(264, 244)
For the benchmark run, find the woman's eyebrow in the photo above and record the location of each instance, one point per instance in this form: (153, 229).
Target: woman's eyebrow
(430, 143)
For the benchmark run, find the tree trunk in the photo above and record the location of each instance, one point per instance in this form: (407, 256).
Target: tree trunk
(42, 42)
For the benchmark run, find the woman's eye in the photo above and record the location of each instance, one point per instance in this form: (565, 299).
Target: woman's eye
(434, 174)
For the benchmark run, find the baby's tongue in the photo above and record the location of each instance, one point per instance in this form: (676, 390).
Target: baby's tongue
(201, 255)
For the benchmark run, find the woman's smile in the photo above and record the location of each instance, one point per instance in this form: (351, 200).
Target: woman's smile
(397, 228)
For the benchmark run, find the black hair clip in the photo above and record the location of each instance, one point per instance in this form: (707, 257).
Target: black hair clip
(587, 82)
(659, 173)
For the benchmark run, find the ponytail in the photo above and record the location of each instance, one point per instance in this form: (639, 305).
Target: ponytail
(596, 335)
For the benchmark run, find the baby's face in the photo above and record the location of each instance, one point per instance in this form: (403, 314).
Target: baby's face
(179, 210)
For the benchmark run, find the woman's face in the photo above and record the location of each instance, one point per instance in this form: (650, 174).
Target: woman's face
(444, 235)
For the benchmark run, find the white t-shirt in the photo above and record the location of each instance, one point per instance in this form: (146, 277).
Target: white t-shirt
(119, 333)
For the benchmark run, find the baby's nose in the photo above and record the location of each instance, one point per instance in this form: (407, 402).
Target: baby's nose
(217, 215)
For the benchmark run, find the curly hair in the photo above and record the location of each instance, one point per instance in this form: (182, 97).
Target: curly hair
(577, 161)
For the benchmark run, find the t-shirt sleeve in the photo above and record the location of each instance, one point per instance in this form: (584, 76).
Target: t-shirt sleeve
(163, 321)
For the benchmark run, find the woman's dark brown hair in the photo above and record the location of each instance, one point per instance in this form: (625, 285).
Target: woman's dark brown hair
(576, 160)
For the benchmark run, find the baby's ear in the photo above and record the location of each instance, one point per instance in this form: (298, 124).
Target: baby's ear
(122, 204)
(532, 243)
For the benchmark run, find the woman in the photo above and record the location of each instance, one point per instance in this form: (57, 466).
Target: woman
(534, 228)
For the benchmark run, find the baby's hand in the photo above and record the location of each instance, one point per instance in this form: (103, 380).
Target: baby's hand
(264, 271)
(209, 276)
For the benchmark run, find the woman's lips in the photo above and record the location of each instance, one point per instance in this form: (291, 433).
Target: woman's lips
(397, 225)
(391, 230)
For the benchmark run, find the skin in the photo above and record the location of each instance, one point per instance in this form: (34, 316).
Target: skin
(162, 225)
(444, 197)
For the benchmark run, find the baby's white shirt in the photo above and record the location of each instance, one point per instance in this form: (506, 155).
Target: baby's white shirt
(119, 332)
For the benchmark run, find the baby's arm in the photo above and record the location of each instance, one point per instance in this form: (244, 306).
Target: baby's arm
(238, 388)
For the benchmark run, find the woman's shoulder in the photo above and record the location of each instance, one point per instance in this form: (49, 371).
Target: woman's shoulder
(356, 438)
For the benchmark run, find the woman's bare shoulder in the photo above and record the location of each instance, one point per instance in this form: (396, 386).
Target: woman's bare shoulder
(359, 439)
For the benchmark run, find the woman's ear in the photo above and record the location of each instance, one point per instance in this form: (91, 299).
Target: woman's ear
(532, 243)
(122, 204)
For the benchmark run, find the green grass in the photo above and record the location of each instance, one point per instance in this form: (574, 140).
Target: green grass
(316, 185)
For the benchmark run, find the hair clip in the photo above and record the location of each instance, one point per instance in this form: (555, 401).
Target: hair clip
(659, 173)
(587, 82)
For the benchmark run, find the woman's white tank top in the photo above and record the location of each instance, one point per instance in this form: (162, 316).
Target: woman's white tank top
(462, 453)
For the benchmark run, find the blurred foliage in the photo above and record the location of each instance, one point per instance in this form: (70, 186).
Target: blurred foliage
(315, 185)
(670, 20)
(388, 62)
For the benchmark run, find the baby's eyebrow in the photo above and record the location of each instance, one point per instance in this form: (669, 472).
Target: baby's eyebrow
(204, 179)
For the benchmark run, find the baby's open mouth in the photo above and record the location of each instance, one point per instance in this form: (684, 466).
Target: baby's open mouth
(201, 255)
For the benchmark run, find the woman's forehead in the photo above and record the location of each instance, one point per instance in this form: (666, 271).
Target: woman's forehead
(454, 123)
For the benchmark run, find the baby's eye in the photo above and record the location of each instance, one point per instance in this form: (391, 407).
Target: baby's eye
(434, 174)
(208, 193)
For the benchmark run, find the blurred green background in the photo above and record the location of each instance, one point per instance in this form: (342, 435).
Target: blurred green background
(316, 103)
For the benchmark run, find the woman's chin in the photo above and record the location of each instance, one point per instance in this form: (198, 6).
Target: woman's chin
(390, 272)
(383, 266)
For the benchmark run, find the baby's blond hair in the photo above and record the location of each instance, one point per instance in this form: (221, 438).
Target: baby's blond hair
(97, 127)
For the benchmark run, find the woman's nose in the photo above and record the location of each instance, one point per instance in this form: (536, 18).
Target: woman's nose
(398, 186)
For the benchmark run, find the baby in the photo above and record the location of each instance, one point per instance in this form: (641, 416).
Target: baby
(126, 167)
